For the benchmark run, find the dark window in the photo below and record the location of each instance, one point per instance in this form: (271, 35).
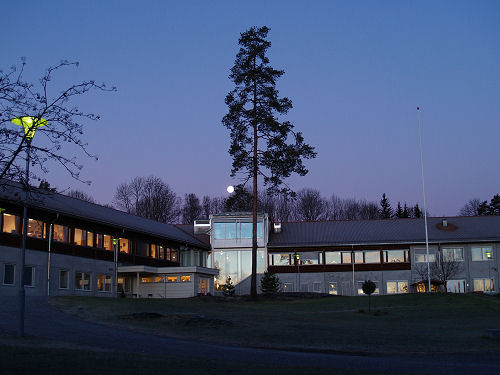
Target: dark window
(29, 276)
(8, 274)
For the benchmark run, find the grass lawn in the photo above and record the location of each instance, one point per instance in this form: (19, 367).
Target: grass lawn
(411, 323)
(38, 356)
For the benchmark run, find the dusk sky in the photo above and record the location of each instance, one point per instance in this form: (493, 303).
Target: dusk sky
(355, 72)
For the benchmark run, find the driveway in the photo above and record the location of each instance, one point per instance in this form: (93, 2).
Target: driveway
(44, 321)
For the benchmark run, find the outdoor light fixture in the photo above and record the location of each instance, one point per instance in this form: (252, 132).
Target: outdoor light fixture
(29, 124)
(230, 189)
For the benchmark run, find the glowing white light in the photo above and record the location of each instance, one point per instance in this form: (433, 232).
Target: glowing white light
(230, 189)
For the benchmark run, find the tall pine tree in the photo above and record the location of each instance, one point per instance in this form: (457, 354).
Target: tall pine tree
(261, 144)
(385, 208)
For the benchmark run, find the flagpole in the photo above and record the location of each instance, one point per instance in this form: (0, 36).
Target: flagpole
(425, 203)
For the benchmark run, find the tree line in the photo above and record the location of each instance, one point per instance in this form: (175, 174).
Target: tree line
(152, 198)
(476, 207)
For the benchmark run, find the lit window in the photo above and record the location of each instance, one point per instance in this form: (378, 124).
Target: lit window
(281, 259)
(172, 279)
(453, 254)
(346, 257)
(61, 233)
(360, 288)
(63, 279)
(173, 255)
(397, 287)
(307, 259)
(35, 228)
(9, 274)
(395, 256)
(152, 252)
(11, 224)
(332, 257)
(124, 246)
(82, 281)
(107, 242)
(482, 253)
(29, 276)
(421, 256)
(161, 252)
(146, 279)
(124, 284)
(104, 283)
(332, 288)
(185, 278)
(484, 285)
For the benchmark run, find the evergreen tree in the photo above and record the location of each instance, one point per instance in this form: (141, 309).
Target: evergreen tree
(386, 210)
(228, 288)
(406, 212)
(270, 284)
(254, 115)
(416, 211)
(399, 211)
(483, 209)
(494, 208)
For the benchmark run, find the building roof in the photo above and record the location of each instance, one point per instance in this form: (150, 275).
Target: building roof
(76, 208)
(404, 231)
(189, 229)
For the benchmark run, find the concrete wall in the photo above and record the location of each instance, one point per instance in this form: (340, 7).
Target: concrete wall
(39, 260)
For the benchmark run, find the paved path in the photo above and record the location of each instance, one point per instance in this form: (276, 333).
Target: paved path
(42, 320)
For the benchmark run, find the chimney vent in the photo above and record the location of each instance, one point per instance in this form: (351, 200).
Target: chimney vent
(277, 227)
(444, 223)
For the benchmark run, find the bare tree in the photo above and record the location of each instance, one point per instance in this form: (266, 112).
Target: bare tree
(445, 267)
(368, 210)
(150, 198)
(49, 111)
(310, 205)
(471, 208)
(191, 210)
(285, 208)
(75, 193)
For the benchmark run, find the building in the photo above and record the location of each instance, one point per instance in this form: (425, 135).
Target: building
(79, 248)
(336, 257)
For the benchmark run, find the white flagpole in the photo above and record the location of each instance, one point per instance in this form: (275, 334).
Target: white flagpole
(425, 203)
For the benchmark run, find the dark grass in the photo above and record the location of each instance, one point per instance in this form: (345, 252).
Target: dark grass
(36, 356)
(413, 323)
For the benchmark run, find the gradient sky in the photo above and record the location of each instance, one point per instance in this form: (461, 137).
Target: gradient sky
(355, 72)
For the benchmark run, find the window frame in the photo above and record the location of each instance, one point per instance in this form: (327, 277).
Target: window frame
(67, 279)
(83, 274)
(33, 274)
(484, 258)
(454, 258)
(398, 289)
(13, 274)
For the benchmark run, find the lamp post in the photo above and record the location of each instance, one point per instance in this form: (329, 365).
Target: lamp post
(29, 125)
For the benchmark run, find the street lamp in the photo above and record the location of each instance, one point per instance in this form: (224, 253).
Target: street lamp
(29, 124)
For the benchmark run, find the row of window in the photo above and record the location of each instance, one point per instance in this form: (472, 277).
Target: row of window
(168, 279)
(81, 237)
(340, 257)
(236, 230)
(9, 275)
(392, 287)
(478, 253)
(82, 280)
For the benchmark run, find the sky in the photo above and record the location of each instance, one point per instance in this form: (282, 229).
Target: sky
(355, 72)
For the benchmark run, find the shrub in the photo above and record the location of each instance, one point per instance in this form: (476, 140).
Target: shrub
(270, 284)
